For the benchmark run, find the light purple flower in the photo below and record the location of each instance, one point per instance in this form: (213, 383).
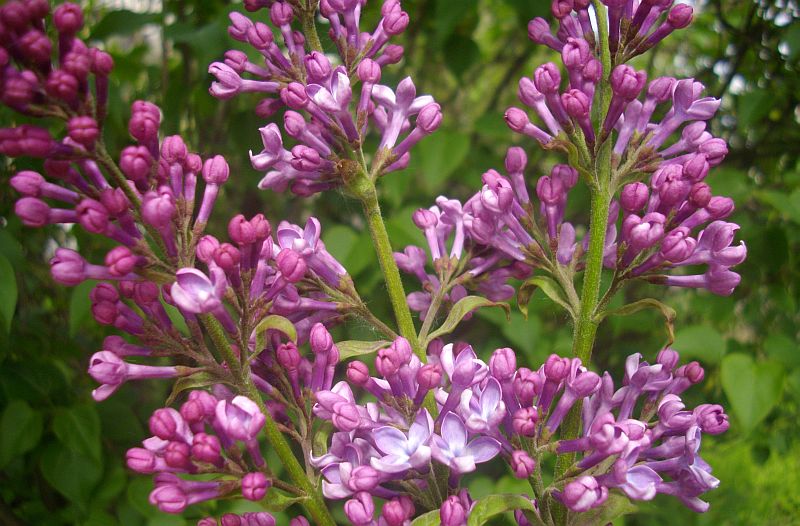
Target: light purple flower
(403, 451)
(483, 410)
(453, 449)
(240, 418)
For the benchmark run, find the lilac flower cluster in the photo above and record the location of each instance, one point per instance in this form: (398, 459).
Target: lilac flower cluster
(633, 27)
(306, 81)
(202, 438)
(639, 438)
(235, 315)
(35, 86)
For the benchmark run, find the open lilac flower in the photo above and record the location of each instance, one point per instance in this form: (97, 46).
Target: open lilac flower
(453, 449)
(403, 451)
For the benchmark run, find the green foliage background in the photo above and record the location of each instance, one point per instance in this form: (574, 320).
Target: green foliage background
(61, 455)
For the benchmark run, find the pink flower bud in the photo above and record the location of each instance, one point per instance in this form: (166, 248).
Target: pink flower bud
(254, 486)
(516, 160)
(68, 267)
(62, 85)
(101, 62)
(288, 356)
(281, 13)
(83, 130)
(136, 162)
(522, 464)
(524, 421)
(320, 339)
(503, 364)
(429, 118)
(291, 265)
(547, 78)
(206, 448)
(173, 149)
(32, 211)
(68, 18)
(121, 261)
(177, 455)
(141, 460)
(634, 196)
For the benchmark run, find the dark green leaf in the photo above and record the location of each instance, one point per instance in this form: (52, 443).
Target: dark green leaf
(72, 474)
(122, 22)
(352, 348)
(277, 501)
(195, 381)
(273, 322)
(20, 430)
(427, 519)
(649, 303)
(78, 428)
(440, 154)
(752, 388)
(462, 307)
(8, 293)
(701, 342)
(492, 505)
(616, 506)
(547, 285)
(79, 306)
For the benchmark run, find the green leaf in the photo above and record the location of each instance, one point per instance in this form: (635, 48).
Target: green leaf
(492, 505)
(547, 285)
(20, 430)
(616, 506)
(427, 519)
(72, 474)
(753, 106)
(277, 501)
(440, 154)
(78, 428)
(122, 22)
(463, 307)
(752, 388)
(783, 349)
(787, 204)
(8, 293)
(352, 348)
(79, 306)
(649, 303)
(275, 323)
(194, 381)
(701, 342)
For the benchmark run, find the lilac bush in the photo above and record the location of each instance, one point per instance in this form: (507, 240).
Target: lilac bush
(242, 325)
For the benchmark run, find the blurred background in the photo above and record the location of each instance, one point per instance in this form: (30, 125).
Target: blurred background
(62, 455)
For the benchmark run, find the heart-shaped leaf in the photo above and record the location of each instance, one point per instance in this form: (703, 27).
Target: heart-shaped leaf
(616, 506)
(462, 307)
(702, 342)
(194, 381)
(20, 430)
(8, 293)
(78, 428)
(352, 348)
(648, 303)
(427, 519)
(276, 323)
(491, 505)
(547, 285)
(752, 388)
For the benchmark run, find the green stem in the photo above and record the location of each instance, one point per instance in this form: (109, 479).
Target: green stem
(394, 285)
(314, 503)
(310, 27)
(217, 334)
(602, 191)
(397, 295)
